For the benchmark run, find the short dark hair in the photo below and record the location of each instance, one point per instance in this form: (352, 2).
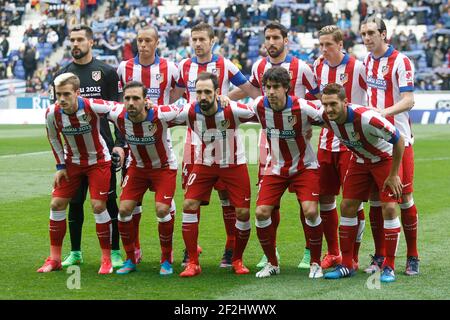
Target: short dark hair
(150, 27)
(204, 27)
(335, 88)
(136, 84)
(88, 31)
(381, 26)
(208, 76)
(278, 75)
(276, 25)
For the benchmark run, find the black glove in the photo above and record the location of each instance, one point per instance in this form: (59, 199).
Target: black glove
(115, 158)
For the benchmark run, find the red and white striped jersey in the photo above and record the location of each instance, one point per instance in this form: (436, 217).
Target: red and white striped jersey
(224, 69)
(290, 151)
(83, 144)
(149, 142)
(159, 78)
(302, 76)
(387, 77)
(366, 133)
(351, 74)
(218, 140)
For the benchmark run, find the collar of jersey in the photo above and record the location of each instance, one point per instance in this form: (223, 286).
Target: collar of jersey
(136, 60)
(350, 114)
(80, 105)
(288, 59)
(150, 116)
(198, 110)
(344, 61)
(288, 103)
(214, 58)
(388, 53)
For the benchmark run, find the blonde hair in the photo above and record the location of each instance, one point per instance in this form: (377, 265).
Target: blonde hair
(67, 78)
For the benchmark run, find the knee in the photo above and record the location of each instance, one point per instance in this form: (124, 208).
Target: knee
(262, 213)
(407, 198)
(162, 211)
(389, 210)
(58, 204)
(98, 206)
(125, 211)
(191, 204)
(242, 214)
(311, 213)
(349, 208)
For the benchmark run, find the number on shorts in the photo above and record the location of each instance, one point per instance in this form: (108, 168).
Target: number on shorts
(191, 178)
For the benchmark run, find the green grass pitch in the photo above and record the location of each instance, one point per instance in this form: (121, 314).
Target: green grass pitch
(26, 172)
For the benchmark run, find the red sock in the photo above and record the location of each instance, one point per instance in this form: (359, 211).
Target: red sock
(229, 218)
(57, 230)
(190, 233)
(275, 216)
(347, 237)
(376, 224)
(266, 235)
(361, 226)
(302, 219)
(104, 238)
(315, 235)
(136, 221)
(243, 234)
(165, 230)
(330, 227)
(391, 237)
(409, 223)
(126, 230)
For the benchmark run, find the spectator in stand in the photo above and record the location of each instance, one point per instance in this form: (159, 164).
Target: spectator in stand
(30, 58)
(4, 45)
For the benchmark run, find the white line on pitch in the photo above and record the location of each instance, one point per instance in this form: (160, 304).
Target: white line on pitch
(6, 156)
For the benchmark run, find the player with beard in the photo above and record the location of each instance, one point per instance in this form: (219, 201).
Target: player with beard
(302, 85)
(99, 81)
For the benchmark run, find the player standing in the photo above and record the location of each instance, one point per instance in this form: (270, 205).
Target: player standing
(377, 148)
(202, 41)
(390, 81)
(336, 67)
(303, 85)
(159, 76)
(84, 154)
(99, 81)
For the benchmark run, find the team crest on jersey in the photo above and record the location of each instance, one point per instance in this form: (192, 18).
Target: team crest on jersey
(292, 120)
(343, 78)
(152, 127)
(216, 71)
(86, 117)
(96, 75)
(160, 77)
(385, 70)
(356, 135)
(225, 124)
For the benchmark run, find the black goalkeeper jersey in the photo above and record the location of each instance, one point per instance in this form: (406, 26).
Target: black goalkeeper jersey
(98, 80)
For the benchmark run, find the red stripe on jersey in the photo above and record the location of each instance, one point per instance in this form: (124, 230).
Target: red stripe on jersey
(344, 136)
(407, 63)
(220, 66)
(259, 75)
(369, 147)
(95, 123)
(57, 120)
(159, 145)
(129, 68)
(362, 83)
(145, 75)
(184, 78)
(373, 98)
(348, 85)
(293, 73)
(232, 143)
(163, 69)
(142, 150)
(389, 93)
(284, 149)
(299, 137)
(81, 146)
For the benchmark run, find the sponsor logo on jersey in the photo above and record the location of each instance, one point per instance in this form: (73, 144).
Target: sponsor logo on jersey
(409, 78)
(96, 75)
(191, 86)
(379, 84)
(131, 139)
(72, 131)
(153, 93)
(273, 133)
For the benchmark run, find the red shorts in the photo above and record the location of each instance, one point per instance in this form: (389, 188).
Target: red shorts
(138, 180)
(408, 170)
(361, 179)
(332, 170)
(187, 170)
(305, 184)
(203, 178)
(99, 176)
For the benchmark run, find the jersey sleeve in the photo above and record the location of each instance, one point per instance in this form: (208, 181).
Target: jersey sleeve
(181, 117)
(174, 74)
(181, 82)
(102, 107)
(361, 73)
(243, 113)
(380, 127)
(234, 74)
(54, 138)
(121, 75)
(313, 112)
(254, 76)
(405, 73)
(308, 78)
(167, 113)
(115, 112)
